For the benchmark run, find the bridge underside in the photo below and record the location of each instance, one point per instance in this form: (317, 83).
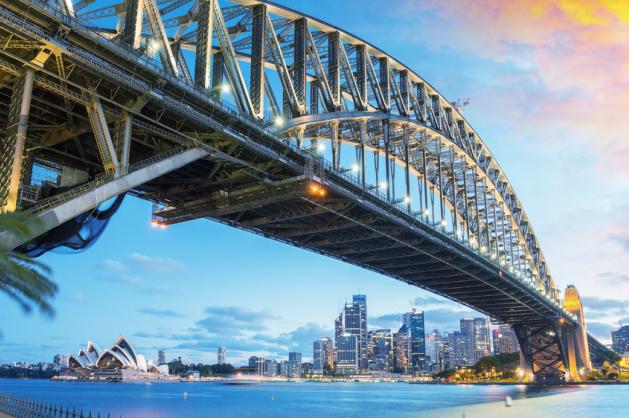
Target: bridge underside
(356, 229)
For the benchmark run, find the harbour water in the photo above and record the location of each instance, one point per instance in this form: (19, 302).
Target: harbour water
(157, 400)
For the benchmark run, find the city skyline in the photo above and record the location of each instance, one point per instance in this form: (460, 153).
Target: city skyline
(167, 298)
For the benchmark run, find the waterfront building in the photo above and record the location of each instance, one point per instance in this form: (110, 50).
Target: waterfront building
(220, 355)
(259, 366)
(322, 356)
(306, 368)
(294, 365)
(418, 341)
(363, 356)
(317, 357)
(269, 368)
(283, 368)
(347, 354)
(119, 362)
(253, 360)
(620, 340)
(504, 340)
(161, 357)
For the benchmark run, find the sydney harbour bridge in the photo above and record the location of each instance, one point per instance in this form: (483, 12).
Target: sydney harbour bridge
(272, 121)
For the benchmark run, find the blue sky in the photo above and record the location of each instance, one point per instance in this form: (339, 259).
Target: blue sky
(195, 286)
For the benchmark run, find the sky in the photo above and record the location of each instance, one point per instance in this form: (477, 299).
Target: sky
(548, 86)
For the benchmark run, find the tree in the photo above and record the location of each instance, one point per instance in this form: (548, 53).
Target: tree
(22, 278)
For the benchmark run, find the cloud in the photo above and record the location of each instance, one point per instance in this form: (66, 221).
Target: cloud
(155, 264)
(128, 279)
(113, 266)
(233, 319)
(164, 313)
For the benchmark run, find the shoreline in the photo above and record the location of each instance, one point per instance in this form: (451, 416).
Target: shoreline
(244, 380)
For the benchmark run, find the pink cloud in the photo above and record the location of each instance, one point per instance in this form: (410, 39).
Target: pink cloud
(575, 52)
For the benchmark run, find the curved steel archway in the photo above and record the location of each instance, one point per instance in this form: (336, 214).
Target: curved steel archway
(317, 82)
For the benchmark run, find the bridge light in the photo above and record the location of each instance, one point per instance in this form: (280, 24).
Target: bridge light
(320, 147)
(355, 168)
(225, 88)
(493, 256)
(407, 199)
(426, 212)
(383, 185)
(154, 224)
(155, 45)
(278, 121)
(503, 262)
(444, 222)
(483, 249)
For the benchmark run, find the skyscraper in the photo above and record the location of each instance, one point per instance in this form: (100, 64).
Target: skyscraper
(418, 341)
(347, 354)
(161, 357)
(381, 350)
(317, 357)
(466, 352)
(355, 324)
(338, 330)
(294, 364)
(401, 343)
(361, 300)
(482, 346)
(220, 355)
(505, 340)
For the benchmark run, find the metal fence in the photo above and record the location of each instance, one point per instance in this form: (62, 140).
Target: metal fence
(24, 408)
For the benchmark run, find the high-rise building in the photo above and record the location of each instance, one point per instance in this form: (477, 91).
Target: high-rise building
(418, 341)
(338, 331)
(347, 354)
(220, 355)
(504, 340)
(317, 357)
(434, 345)
(161, 357)
(381, 349)
(465, 353)
(401, 344)
(482, 345)
(353, 325)
(253, 360)
(322, 356)
(294, 365)
(363, 356)
(620, 340)
(269, 368)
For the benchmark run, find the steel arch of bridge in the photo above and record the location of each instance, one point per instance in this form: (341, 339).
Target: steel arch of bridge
(333, 86)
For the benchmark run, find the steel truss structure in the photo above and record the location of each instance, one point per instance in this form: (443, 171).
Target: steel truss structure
(106, 88)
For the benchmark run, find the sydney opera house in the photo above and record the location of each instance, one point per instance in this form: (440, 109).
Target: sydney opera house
(119, 362)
